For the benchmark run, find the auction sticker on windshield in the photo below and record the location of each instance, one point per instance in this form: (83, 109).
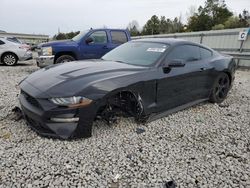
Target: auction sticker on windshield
(156, 50)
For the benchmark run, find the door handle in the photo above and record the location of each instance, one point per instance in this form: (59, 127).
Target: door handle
(105, 47)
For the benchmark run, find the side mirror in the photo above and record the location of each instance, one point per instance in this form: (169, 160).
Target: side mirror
(176, 63)
(173, 63)
(89, 40)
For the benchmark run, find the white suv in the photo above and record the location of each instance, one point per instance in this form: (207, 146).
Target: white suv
(11, 52)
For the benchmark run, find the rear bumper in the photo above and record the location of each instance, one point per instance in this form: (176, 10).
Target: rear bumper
(43, 61)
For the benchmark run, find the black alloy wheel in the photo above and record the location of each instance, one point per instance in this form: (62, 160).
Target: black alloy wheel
(220, 88)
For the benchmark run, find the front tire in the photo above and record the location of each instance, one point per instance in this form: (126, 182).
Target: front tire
(64, 59)
(9, 59)
(220, 88)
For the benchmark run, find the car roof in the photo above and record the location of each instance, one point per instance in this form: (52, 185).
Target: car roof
(110, 29)
(170, 41)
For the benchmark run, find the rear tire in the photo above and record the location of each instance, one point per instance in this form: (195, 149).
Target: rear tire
(9, 59)
(220, 88)
(64, 59)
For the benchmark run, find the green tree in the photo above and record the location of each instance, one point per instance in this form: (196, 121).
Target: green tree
(152, 26)
(199, 21)
(60, 36)
(214, 12)
(244, 18)
(163, 25)
(217, 10)
(232, 22)
(177, 25)
(72, 34)
(169, 26)
(63, 36)
(133, 28)
(235, 22)
(218, 27)
(160, 26)
(134, 31)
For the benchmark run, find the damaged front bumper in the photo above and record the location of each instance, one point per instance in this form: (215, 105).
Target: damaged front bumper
(57, 122)
(43, 61)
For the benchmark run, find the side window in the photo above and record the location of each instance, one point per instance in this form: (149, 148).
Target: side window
(118, 37)
(1, 42)
(99, 37)
(185, 52)
(205, 53)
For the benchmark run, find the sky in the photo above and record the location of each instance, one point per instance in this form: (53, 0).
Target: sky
(46, 16)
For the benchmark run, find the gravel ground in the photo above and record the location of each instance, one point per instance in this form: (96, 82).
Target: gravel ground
(204, 146)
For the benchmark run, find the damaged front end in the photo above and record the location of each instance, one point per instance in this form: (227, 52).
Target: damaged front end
(123, 103)
(58, 118)
(66, 118)
(64, 123)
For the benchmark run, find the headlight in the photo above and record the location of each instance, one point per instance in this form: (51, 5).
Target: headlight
(47, 51)
(71, 101)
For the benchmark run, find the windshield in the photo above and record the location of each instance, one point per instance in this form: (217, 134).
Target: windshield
(80, 35)
(15, 40)
(137, 53)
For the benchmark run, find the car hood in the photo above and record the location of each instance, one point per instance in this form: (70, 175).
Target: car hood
(72, 78)
(58, 43)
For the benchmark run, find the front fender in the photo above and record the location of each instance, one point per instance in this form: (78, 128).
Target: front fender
(145, 90)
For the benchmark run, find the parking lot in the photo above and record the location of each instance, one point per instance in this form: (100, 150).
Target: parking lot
(204, 146)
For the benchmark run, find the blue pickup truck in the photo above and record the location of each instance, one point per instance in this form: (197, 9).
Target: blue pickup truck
(90, 44)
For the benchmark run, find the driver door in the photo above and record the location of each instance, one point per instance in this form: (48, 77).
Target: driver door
(182, 84)
(97, 48)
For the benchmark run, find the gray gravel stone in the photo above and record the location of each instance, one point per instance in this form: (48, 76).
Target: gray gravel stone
(204, 146)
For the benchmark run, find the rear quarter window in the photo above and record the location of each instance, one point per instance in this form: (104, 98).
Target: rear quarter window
(118, 37)
(205, 53)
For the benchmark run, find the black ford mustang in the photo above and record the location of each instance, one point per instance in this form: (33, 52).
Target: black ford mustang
(146, 79)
